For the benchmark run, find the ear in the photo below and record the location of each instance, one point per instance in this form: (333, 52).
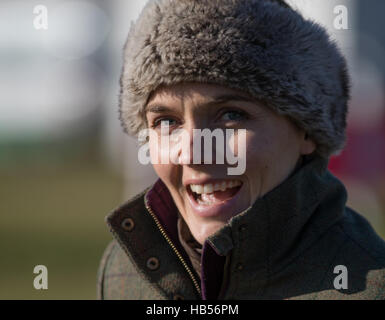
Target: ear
(308, 146)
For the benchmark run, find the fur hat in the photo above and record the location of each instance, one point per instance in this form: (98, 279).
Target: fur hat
(262, 47)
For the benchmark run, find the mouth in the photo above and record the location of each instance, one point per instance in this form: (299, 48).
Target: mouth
(213, 198)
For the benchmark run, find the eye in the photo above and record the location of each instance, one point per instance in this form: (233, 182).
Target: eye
(158, 123)
(233, 115)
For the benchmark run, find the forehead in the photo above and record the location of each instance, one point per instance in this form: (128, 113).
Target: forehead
(196, 92)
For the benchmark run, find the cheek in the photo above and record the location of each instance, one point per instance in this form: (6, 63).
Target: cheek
(159, 148)
(168, 172)
(172, 177)
(257, 150)
(163, 171)
(248, 147)
(165, 149)
(270, 147)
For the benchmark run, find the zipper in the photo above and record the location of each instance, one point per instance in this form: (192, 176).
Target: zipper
(163, 232)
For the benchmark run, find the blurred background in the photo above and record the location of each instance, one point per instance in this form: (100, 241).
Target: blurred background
(65, 162)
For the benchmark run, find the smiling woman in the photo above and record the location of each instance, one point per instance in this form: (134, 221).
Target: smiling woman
(278, 228)
(193, 106)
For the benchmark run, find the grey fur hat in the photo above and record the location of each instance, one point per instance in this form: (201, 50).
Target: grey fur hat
(262, 47)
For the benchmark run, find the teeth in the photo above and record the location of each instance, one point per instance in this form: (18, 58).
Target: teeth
(197, 188)
(236, 183)
(209, 187)
(206, 203)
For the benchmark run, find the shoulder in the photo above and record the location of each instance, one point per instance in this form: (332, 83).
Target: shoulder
(362, 236)
(118, 279)
(347, 262)
(362, 252)
(109, 269)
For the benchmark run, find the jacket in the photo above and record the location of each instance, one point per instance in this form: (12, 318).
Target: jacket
(299, 241)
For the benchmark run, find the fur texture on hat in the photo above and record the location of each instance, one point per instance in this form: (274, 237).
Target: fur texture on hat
(258, 46)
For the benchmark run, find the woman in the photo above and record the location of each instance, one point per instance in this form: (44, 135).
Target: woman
(276, 229)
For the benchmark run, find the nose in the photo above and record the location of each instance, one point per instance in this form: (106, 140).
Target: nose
(185, 147)
(198, 146)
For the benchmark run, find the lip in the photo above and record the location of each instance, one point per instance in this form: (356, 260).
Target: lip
(224, 208)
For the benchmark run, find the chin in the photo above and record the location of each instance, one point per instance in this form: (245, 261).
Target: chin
(206, 229)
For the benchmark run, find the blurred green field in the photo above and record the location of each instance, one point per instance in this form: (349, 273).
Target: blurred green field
(54, 216)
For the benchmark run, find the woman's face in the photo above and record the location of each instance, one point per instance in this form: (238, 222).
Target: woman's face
(205, 194)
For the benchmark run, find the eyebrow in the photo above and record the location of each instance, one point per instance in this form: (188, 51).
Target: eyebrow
(159, 108)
